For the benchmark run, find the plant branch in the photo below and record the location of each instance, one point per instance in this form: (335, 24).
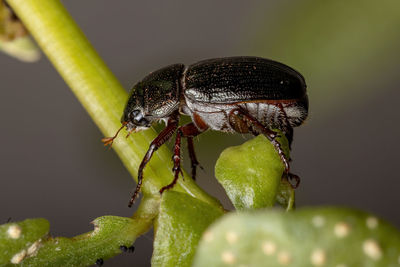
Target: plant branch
(97, 89)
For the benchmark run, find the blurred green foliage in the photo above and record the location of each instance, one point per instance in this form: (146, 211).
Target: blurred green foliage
(14, 39)
(326, 236)
(346, 50)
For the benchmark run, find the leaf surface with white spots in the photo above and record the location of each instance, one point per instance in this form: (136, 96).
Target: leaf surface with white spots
(327, 236)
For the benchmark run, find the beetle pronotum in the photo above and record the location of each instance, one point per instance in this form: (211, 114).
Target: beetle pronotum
(234, 94)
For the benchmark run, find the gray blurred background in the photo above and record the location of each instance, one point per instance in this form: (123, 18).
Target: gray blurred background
(53, 164)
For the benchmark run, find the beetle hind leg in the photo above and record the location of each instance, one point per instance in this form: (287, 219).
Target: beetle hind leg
(294, 180)
(255, 127)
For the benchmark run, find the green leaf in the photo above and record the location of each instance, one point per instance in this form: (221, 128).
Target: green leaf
(180, 223)
(35, 248)
(251, 173)
(286, 195)
(20, 239)
(327, 236)
(28, 242)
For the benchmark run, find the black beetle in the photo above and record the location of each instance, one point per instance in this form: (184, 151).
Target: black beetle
(233, 94)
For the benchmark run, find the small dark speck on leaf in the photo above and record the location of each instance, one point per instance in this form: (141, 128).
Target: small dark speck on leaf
(99, 262)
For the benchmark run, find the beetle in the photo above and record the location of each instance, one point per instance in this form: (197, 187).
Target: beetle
(234, 94)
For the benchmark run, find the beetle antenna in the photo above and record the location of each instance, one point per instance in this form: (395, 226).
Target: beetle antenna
(108, 141)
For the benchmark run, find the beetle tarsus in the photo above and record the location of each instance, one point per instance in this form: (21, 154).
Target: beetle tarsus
(294, 180)
(177, 161)
(282, 155)
(193, 158)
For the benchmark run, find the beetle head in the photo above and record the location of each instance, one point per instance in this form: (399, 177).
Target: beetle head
(154, 98)
(135, 117)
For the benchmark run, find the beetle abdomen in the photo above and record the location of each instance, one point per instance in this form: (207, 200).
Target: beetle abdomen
(237, 79)
(280, 115)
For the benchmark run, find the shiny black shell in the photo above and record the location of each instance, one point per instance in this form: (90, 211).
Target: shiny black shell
(239, 79)
(214, 81)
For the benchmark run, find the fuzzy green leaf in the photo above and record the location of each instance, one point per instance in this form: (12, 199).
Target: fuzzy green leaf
(180, 224)
(326, 236)
(251, 173)
(28, 243)
(286, 195)
(20, 239)
(109, 234)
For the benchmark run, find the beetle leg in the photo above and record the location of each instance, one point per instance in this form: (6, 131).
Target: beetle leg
(270, 134)
(294, 180)
(193, 158)
(189, 131)
(177, 162)
(163, 137)
(289, 136)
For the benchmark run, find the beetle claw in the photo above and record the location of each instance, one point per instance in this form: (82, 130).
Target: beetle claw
(294, 180)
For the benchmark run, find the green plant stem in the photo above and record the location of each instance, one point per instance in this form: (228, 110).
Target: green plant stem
(98, 90)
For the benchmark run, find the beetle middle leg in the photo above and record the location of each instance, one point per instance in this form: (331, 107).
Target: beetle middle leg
(255, 127)
(163, 137)
(189, 131)
(192, 155)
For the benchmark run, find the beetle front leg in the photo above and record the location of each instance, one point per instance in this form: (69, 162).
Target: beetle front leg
(163, 137)
(189, 131)
(256, 127)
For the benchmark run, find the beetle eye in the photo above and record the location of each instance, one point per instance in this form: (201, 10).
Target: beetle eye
(134, 114)
(141, 122)
(138, 119)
